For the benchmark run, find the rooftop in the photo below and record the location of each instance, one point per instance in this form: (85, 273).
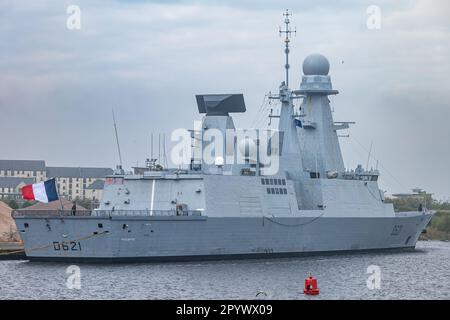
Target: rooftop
(97, 185)
(80, 172)
(22, 165)
(13, 182)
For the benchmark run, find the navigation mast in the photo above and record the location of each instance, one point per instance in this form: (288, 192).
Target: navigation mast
(287, 32)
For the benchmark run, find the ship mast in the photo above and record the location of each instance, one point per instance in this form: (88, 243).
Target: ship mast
(290, 157)
(287, 32)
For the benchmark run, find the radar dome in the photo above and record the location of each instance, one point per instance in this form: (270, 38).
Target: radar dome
(316, 64)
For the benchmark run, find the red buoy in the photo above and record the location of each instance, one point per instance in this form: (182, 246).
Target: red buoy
(311, 286)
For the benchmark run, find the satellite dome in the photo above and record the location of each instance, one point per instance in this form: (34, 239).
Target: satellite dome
(316, 64)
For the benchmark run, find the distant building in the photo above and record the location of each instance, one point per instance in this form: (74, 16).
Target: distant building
(10, 186)
(94, 191)
(23, 168)
(72, 182)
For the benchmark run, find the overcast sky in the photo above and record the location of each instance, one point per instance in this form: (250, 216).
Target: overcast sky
(147, 60)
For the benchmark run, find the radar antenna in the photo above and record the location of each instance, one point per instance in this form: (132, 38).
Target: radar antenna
(287, 32)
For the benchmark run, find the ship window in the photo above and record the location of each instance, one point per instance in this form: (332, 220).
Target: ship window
(100, 225)
(314, 175)
(263, 181)
(283, 182)
(268, 190)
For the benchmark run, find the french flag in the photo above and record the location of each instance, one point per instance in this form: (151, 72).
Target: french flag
(41, 191)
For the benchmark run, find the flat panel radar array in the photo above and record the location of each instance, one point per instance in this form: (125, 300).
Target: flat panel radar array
(220, 104)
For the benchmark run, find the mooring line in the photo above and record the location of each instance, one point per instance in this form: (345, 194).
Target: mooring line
(293, 225)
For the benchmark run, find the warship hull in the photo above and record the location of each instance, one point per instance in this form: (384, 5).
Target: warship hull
(189, 238)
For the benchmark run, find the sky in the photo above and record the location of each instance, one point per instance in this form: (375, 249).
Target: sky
(148, 59)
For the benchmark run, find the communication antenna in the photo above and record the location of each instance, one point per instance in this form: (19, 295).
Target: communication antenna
(368, 157)
(164, 151)
(159, 148)
(151, 146)
(287, 32)
(117, 138)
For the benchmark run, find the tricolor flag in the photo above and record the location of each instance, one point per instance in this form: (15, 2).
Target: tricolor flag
(41, 191)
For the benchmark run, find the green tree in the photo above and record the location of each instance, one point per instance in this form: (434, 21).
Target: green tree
(12, 204)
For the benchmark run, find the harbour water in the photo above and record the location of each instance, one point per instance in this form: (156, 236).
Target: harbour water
(420, 274)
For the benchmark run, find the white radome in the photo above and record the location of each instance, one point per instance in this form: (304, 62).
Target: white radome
(316, 64)
(219, 161)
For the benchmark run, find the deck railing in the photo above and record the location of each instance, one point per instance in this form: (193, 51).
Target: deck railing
(103, 213)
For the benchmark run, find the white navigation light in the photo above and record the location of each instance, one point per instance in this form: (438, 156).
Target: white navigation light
(219, 161)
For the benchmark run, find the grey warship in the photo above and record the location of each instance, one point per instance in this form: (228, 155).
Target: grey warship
(227, 209)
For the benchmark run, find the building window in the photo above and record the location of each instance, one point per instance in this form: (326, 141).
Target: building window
(268, 190)
(263, 181)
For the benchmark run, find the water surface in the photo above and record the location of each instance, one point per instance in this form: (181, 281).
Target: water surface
(421, 274)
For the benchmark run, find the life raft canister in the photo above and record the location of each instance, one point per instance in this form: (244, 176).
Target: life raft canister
(311, 286)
